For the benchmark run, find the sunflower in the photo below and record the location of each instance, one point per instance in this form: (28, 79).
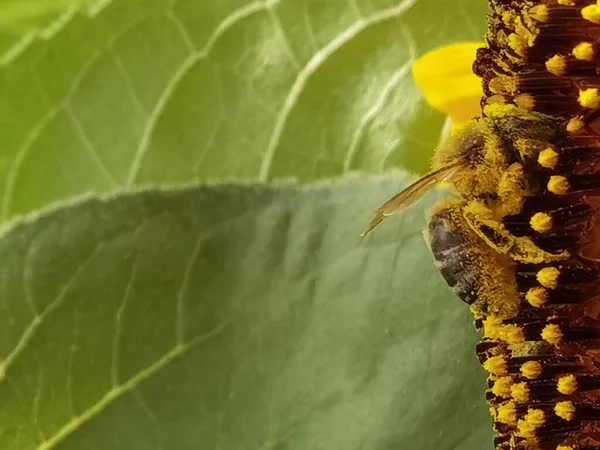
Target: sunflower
(445, 78)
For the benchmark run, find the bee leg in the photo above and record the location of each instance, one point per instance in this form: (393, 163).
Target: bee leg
(511, 191)
(489, 228)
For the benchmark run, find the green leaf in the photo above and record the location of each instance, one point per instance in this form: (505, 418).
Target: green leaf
(16, 12)
(20, 19)
(137, 91)
(233, 318)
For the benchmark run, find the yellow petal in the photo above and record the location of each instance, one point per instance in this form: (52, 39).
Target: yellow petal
(446, 79)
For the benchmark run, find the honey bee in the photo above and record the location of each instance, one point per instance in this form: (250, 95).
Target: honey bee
(467, 236)
(519, 243)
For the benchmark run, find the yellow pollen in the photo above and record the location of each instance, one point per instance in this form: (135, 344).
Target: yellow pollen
(496, 365)
(566, 2)
(575, 124)
(493, 413)
(517, 43)
(557, 65)
(502, 83)
(548, 277)
(565, 410)
(537, 296)
(539, 13)
(520, 392)
(589, 98)
(502, 386)
(552, 334)
(565, 447)
(584, 51)
(548, 158)
(591, 13)
(541, 222)
(525, 101)
(567, 385)
(494, 328)
(507, 413)
(495, 99)
(558, 185)
(533, 420)
(531, 369)
(500, 110)
(512, 334)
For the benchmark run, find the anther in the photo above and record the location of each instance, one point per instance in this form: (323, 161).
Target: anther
(502, 83)
(531, 369)
(507, 413)
(565, 410)
(502, 386)
(541, 222)
(591, 13)
(525, 101)
(512, 334)
(520, 392)
(539, 13)
(548, 277)
(517, 43)
(548, 158)
(584, 51)
(494, 328)
(557, 65)
(567, 384)
(552, 334)
(496, 365)
(575, 124)
(491, 325)
(589, 98)
(533, 420)
(558, 185)
(537, 296)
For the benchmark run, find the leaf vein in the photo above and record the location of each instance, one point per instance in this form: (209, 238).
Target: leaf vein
(311, 32)
(119, 324)
(69, 380)
(37, 129)
(180, 325)
(36, 404)
(380, 102)
(31, 330)
(89, 147)
(115, 393)
(128, 80)
(183, 31)
(226, 24)
(312, 66)
(285, 40)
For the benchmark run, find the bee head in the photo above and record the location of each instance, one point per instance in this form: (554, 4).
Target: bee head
(481, 155)
(472, 161)
(475, 158)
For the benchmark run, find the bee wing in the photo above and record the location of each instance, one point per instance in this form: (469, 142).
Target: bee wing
(411, 194)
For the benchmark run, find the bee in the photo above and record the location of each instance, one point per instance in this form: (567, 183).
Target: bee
(519, 242)
(467, 236)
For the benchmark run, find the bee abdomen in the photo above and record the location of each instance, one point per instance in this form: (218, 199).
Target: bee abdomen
(449, 247)
(479, 276)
